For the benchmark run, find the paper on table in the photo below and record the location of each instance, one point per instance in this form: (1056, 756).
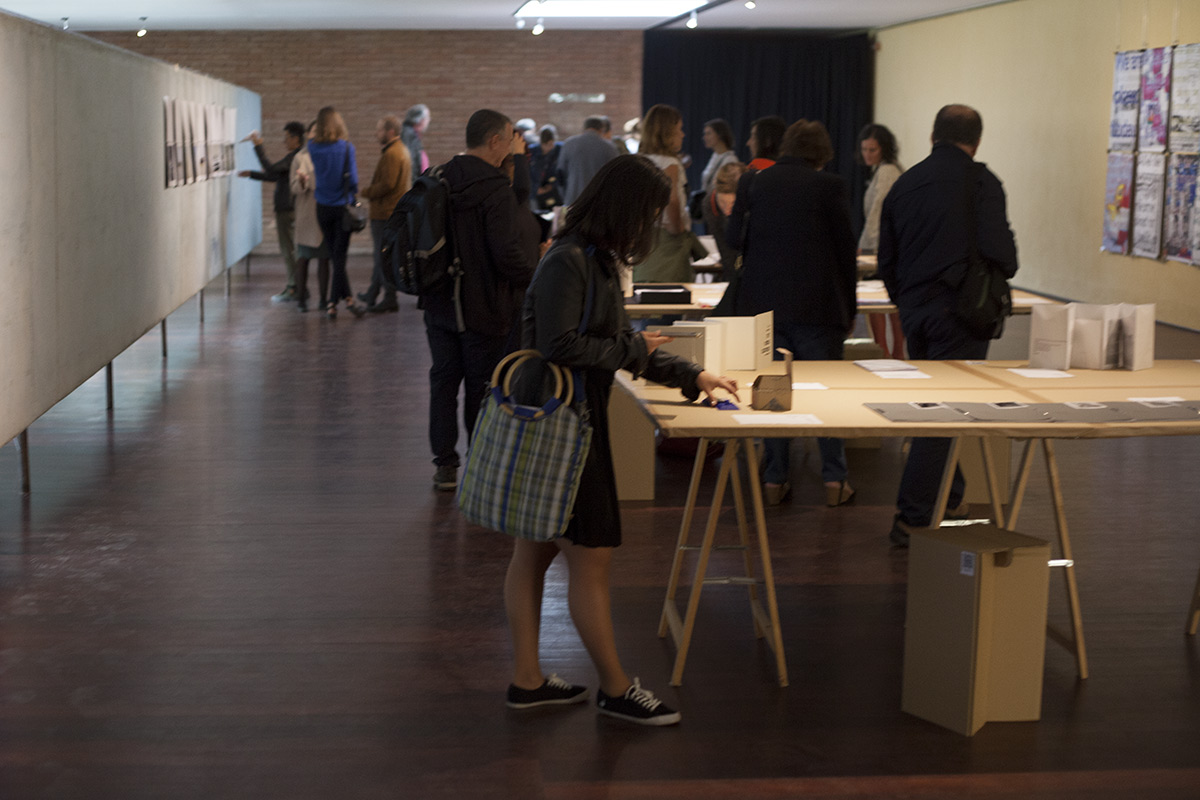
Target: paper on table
(1155, 399)
(777, 419)
(903, 374)
(806, 387)
(1040, 373)
(1031, 301)
(883, 364)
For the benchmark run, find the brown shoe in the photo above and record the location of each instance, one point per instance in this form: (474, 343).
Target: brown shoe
(838, 494)
(774, 495)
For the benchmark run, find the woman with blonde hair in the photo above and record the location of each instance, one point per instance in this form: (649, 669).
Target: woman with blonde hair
(671, 259)
(336, 177)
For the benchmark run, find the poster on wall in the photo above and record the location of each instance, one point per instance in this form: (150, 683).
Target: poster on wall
(169, 142)
(1156, 100)
(183, 127)
(1185, 100)
(1148, 205)
(1117, 195)
(1127, 86)
(1180, 207)
(230, 134)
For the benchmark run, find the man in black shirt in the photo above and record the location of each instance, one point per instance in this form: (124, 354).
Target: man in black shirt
(285, 213)
(923, 241)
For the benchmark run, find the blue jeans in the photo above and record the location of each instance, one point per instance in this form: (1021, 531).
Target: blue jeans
(459, 359)
(807, 343)
(932, 333)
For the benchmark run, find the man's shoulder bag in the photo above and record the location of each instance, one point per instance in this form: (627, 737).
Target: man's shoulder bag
(983, 300)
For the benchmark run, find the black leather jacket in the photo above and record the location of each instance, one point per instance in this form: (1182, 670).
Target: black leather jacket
(554, 306)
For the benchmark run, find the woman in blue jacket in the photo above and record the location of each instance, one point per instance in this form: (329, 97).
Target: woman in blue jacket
(337, 183)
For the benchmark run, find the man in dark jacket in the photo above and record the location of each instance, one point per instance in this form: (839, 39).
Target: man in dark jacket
(923, 241)
(467, 333)
(285, 214)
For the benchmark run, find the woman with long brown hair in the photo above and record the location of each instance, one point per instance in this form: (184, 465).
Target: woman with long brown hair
(336, 174)
(609, 226)
(670, 260)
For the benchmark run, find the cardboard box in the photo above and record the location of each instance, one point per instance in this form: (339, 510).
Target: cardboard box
(774, 392)
(975, 626)
(749, 341)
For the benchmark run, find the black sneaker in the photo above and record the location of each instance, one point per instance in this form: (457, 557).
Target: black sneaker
(636, 705)
(554, 692)
(445, 478)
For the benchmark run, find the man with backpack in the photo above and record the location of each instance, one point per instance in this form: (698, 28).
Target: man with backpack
(467, 321)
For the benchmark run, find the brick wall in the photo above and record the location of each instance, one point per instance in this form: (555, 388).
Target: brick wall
(367, 74)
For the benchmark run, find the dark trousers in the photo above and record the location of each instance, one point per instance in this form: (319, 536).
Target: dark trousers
(380, 278)
(459, 359)
(807, 343)
(337, 241)
(933, 334)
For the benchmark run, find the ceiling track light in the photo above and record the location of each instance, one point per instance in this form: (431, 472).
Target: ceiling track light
(693, 19)
(65, 22)
(751, 4)
(142, 29)
(539, 28)
(521, 23)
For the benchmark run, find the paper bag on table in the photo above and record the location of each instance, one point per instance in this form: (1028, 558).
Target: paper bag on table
(1136, 325)
(1095, 340)
(1050, 336)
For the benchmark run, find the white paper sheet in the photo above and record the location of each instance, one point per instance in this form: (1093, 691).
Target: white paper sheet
(904, 375)
(883, 364)
(808, 387)
(777, 419)
(1040, 373)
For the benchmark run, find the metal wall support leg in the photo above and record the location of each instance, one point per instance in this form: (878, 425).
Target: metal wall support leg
(108, 385)
(201, 293)
(23, 449)
(164, 338)
(247, 265)
(228, 281)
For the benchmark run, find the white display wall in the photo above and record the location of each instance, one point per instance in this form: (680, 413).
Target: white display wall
(95, 249)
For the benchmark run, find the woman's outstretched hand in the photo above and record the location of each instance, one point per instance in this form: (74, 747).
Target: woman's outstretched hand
(707, 382)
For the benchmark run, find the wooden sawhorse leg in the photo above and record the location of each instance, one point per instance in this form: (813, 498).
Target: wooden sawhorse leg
(766, 620)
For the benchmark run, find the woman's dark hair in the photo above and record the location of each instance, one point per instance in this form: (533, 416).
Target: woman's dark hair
(889, 152)
(809, 142)
(768, 135)
(721, 128)
(619, 208)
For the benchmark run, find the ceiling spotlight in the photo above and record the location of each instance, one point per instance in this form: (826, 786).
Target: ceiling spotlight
(65, 23)
(539, 28)
(142, 30)
(751, 4)
(521, 24)
(693, 20)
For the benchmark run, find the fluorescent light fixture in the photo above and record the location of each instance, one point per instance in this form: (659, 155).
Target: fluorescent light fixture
(607, 8)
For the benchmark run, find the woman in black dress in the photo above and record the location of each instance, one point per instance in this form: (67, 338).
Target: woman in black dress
(611, 225)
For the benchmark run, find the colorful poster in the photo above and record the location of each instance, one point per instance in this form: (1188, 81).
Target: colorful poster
(1117, 196)
(1180, 207)
(1156, 100)
(1148, 205)
(1185, 100)
(1127, 86)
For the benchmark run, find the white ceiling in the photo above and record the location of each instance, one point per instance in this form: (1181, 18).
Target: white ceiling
(451, 14)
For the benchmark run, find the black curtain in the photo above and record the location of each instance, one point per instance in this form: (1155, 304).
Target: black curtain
(741, 76)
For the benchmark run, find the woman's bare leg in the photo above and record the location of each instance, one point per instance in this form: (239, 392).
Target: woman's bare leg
(588, 597)
(523, 602)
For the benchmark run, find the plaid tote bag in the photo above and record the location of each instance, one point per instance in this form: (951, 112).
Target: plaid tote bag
(524, 463)
(523, 466)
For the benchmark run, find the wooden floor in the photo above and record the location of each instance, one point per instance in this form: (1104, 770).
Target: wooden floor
(239, 584)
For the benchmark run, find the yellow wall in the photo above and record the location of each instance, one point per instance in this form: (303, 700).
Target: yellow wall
(1040, 73)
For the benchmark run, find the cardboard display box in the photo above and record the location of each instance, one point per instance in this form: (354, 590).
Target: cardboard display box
(975, 627)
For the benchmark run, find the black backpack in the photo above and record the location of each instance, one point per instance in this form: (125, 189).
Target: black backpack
(418, 237)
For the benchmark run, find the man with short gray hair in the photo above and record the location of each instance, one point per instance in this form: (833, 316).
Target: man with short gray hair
(393, 177)
(583, 155)
(416, 120)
